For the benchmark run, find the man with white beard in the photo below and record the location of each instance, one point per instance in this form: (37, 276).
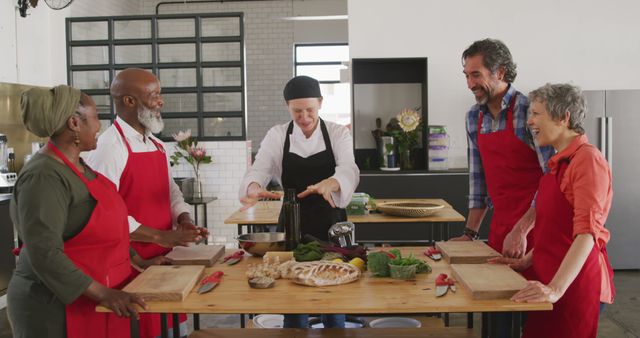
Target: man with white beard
(137, 163)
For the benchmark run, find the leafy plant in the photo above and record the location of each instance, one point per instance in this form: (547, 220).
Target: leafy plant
(421, 267)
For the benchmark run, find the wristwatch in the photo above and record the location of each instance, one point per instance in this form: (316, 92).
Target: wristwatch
(470, 233)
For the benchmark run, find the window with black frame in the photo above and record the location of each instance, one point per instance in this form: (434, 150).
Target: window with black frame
(199, 59)
(326, 62)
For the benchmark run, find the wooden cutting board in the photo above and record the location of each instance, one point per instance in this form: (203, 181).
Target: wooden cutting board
(471, 252)
(488, 281)
(202, 254)
(165, 282)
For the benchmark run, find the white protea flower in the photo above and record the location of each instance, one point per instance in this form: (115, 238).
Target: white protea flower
(408, 119)
(182, 135)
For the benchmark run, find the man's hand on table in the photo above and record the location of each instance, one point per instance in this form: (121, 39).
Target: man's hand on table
(515, 244)
(517, 264)
(461, 238)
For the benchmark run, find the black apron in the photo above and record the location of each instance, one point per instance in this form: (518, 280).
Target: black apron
(316, 214)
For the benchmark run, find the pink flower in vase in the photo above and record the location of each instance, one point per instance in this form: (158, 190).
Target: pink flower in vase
(198, 153)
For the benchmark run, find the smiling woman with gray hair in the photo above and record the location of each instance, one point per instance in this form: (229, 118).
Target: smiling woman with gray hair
(569, 257)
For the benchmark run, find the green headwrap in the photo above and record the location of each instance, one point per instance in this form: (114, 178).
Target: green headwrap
(45, 111)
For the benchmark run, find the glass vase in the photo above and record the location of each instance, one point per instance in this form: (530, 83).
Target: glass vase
(406, 163)
(197, 187)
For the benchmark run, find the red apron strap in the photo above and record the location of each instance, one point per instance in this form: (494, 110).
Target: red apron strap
(115, 123)
(67, 162)
(509, 123)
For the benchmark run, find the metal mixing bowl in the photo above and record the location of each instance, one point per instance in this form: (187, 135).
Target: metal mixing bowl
(258, 243)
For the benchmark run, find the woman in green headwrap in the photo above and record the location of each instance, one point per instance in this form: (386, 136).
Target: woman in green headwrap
(74, 227)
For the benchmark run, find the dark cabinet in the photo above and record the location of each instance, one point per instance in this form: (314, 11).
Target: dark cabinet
(7, 260)
(382, 88)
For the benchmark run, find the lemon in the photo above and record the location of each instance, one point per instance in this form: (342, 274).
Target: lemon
(337, 260)
(357, 262)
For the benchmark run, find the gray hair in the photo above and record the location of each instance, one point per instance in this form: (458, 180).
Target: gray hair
(495, 55)
(560, 99)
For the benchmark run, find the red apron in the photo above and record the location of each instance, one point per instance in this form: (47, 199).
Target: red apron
(144, 186)
(577, 312)
(512, 173)
(100, 250)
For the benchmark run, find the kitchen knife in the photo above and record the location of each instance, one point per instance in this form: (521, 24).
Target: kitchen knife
(210, 282)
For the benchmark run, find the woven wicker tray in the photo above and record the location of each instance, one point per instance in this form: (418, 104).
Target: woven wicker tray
(409, 209)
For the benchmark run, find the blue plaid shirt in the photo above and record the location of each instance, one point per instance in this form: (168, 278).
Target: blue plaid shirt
(478, 197)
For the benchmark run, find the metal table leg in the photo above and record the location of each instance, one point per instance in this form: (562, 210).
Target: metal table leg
(205, 225)
(163, 326)
(135, 328)
(446, 319)
(515, 324)
(242, 325)
(176, 325)
(196, 321)
(485, 325)
(469, 320)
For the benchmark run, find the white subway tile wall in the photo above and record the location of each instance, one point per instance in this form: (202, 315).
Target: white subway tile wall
(221, 179)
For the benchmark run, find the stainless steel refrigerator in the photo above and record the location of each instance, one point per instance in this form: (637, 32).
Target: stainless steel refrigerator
(613, 125)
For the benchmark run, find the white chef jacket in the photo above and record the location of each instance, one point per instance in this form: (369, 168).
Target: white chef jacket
(268, 163)
(110, 159)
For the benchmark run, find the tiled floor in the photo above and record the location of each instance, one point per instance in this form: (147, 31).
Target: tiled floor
(619, 320)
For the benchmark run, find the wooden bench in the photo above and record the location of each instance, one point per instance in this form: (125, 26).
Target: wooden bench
(444, 332)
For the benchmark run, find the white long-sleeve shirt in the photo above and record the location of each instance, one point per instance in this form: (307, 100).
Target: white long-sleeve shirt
(268, 163)
(110, 159)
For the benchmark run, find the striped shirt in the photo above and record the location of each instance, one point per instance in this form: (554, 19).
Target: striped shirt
(478, 197)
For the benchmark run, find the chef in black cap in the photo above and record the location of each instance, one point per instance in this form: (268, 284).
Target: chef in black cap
(313, 156)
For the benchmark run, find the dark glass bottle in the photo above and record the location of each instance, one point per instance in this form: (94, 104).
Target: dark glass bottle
(291, 210)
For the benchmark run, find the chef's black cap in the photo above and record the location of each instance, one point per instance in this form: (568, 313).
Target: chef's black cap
(301, 87)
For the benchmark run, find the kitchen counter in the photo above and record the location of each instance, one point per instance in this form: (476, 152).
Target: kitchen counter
(368, 295)
(266, 212)
(374, 228)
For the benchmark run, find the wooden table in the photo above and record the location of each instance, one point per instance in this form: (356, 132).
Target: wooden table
(267, 212)
(368, 295)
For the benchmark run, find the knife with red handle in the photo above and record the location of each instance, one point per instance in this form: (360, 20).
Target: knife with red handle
(210, 282)
(433, 253)
(444, 284)
(234, 258)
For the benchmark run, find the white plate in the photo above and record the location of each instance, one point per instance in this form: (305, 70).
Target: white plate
(394, 322)
(390, 169)
(347, 325)
(269, 321)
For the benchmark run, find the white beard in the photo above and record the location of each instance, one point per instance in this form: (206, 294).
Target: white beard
(147, 118)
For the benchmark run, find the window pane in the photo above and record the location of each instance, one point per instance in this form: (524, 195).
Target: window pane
(92, 30)
(222, 102)
(220, 26)
(224, 51)
(181, 52)
(96, 79)
(223, 126)
(336, 102)
(104, 124)
(103, 103)
(173, 126)
(322, 53)
(119, 70)
(178, 77)
(176, 28)
(132, 29)
(96, 55)
(321, 73)
(180, 103)
(212, 77)
(132, 54)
